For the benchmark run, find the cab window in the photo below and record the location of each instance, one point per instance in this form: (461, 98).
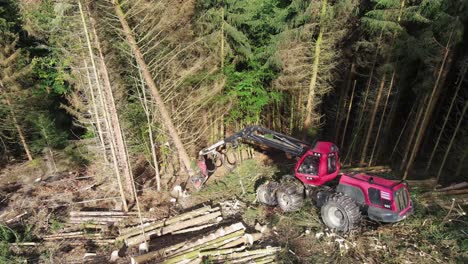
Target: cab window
(310, 165)
(331, 164)
(374, 196)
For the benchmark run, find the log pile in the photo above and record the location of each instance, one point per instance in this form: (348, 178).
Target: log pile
(195, 220)
(227, 244)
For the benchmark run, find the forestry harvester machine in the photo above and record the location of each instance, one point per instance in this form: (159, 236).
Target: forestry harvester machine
(341, 197)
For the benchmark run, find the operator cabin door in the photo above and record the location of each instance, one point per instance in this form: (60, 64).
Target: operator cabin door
(333, 166)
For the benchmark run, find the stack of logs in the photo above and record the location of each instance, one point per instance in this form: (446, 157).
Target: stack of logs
(195, 220)
(227, 244)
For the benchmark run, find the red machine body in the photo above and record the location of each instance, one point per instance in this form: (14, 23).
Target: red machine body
(318, 165)
(381, 199)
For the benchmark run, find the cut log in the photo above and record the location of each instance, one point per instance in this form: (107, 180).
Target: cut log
(239, 257)
(102, 213)
(453, 187)
(204, 219)
(196, 252)
(190, 245)
(133, 231)
(368, 169)
(16, 218)
(196, 228)
(247, 239)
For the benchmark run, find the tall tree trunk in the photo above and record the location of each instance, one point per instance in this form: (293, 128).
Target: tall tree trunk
(371, 125)
(462, 78)
(451, 142)
(313, 79)
(114, 149)
(342, 101)
(222, 38)
(347, 115)
(114, 117)
(401, 133)
(144, 103)
(96, 112)
(371, 76)
(413, 133)
(18, 128)
(382, 118)
(461, 163)
(166, 118)
(430, 107)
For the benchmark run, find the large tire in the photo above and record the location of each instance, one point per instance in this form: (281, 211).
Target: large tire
(340, 213)
(266, 193)
(290, 197)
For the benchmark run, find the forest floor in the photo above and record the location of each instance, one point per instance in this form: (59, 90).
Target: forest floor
(32, 205)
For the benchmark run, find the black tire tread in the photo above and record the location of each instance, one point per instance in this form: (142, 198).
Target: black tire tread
(289, 198)
(266, 193)
(350, 207)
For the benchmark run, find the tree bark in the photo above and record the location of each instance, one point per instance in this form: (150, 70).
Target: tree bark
(430, 107)
(166, 118)
(371, 124)
(342, 100)
(18, 128)
(452, 103)
(313, 79)
(382, 118)
(122, 189)
(451, 142)
(347, 115)
(412, 134)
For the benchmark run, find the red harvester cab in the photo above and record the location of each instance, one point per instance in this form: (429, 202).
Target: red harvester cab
(318, 165)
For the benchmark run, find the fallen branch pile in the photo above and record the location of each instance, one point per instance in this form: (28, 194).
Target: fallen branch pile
(227, 244)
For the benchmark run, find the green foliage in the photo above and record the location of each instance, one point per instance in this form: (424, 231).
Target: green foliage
(48, 135)
(248, 94)
(51, 74)
(241, 183)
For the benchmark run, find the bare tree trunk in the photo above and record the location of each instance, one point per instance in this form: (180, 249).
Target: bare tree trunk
(18, 128)
(382, 118)
(313, 79)
(114, 150)
(150, 132)
(166, 118)
(412, 134)
(462, 162)
(430, 107)
(371, 125)
(401, 132)
(347, 115)
(342, 101)
(447, 117)
(451, 142)
(222, 38)
(371, 76)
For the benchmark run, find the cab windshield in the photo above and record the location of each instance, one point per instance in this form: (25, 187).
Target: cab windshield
(310, 165)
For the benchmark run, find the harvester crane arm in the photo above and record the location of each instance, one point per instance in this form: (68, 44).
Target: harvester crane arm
(252, 135)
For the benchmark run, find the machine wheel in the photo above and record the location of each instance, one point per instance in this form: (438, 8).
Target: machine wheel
(340, 213)
(266, 193)
(290, 199)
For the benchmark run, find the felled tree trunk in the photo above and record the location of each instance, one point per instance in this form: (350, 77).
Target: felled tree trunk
(165, 117)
